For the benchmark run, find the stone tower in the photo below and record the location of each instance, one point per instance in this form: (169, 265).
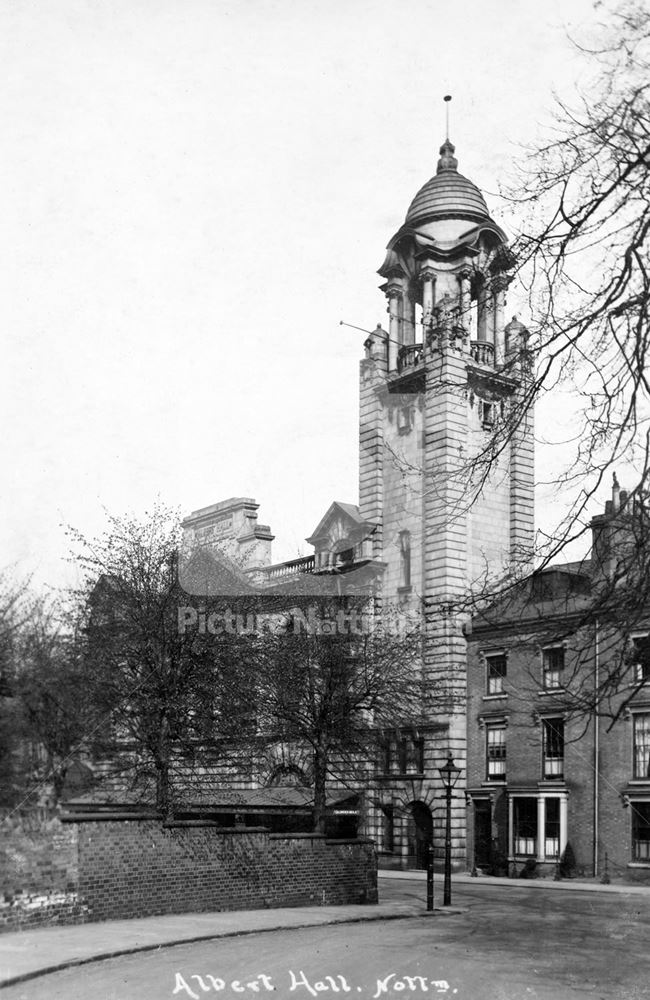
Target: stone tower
(446, 469)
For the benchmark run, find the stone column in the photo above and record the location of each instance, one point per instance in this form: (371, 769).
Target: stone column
(394, 295)
(408, 317)
(428, 279)
(522, 456)
(372, 377)
(563, 821)
(510, 847)
(465, 303)
(541, 828)
(500, 284)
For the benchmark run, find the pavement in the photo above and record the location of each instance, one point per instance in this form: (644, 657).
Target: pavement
(30, 953)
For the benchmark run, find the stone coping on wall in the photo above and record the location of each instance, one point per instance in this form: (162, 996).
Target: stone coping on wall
(107, 816)
(110, 817)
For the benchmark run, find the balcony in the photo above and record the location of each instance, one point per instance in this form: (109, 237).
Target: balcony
(482, 353)
(409, 356)
(281, 571)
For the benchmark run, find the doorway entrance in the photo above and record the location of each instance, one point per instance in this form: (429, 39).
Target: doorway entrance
(420, 834)
(482, 833)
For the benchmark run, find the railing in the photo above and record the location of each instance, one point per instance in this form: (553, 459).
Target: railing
(409, 356)
(553, 767)
(526, 845)
(642, 850)
(551, 847)
(290, 568)
(496, 770)
(482, 352)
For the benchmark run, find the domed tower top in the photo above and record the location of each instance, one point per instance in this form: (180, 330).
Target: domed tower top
(447, 251)
(448, 195)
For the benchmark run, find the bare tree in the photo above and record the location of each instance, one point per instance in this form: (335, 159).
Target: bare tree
(51, 687)
(329, 681)
(595, 611)
(16, 607)
(583, 255)
(163, 692)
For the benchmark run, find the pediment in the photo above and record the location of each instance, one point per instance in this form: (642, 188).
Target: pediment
(341, 527)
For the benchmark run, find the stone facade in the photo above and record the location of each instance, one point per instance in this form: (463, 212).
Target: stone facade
(445, 484)
(446, 468)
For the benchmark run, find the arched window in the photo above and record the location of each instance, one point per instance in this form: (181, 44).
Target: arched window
(405, 558)
(287, 776)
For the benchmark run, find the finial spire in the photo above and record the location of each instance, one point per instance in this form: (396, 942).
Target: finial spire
(616, 494)
(447, 159)
(447, 99)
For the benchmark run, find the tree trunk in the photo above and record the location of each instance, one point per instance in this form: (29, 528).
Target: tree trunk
(58, 781)
(163, 797)
(320, 774)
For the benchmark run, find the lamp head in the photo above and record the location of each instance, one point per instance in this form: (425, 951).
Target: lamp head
(449, 773)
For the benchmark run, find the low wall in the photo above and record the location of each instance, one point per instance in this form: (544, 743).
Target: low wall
(138, 867)
(38, 873)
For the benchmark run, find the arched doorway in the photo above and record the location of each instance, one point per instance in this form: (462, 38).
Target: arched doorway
(419, 834)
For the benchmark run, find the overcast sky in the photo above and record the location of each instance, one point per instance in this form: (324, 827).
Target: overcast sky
(193, 194)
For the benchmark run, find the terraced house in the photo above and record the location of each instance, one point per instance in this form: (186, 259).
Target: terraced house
(559, 715)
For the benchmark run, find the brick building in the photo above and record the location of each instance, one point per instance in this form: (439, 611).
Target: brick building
(558, 720)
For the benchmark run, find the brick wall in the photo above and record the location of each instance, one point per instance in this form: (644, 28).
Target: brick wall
(38, 873)
(521, 706)
(138, 867)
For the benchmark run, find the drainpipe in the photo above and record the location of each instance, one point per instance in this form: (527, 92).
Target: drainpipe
(596, 744)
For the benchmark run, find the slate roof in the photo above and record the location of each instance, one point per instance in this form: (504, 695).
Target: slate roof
(284, 798)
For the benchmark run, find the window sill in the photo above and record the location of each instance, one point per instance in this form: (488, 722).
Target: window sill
(638, 864)
(551, 691)
(495, 697)
(401, 775)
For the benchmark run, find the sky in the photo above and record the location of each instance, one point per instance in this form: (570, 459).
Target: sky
(194, 194)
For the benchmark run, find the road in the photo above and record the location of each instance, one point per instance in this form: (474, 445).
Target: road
(508, 944)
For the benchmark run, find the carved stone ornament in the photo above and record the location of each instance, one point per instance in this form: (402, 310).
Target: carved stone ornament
(500, 282)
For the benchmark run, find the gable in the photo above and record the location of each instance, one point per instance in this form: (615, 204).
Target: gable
(341, 527)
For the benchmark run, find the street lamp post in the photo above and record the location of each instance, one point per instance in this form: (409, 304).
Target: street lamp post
(449, 774)
(430, 877)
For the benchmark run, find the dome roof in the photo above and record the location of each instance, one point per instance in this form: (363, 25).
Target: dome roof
(448, 194)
